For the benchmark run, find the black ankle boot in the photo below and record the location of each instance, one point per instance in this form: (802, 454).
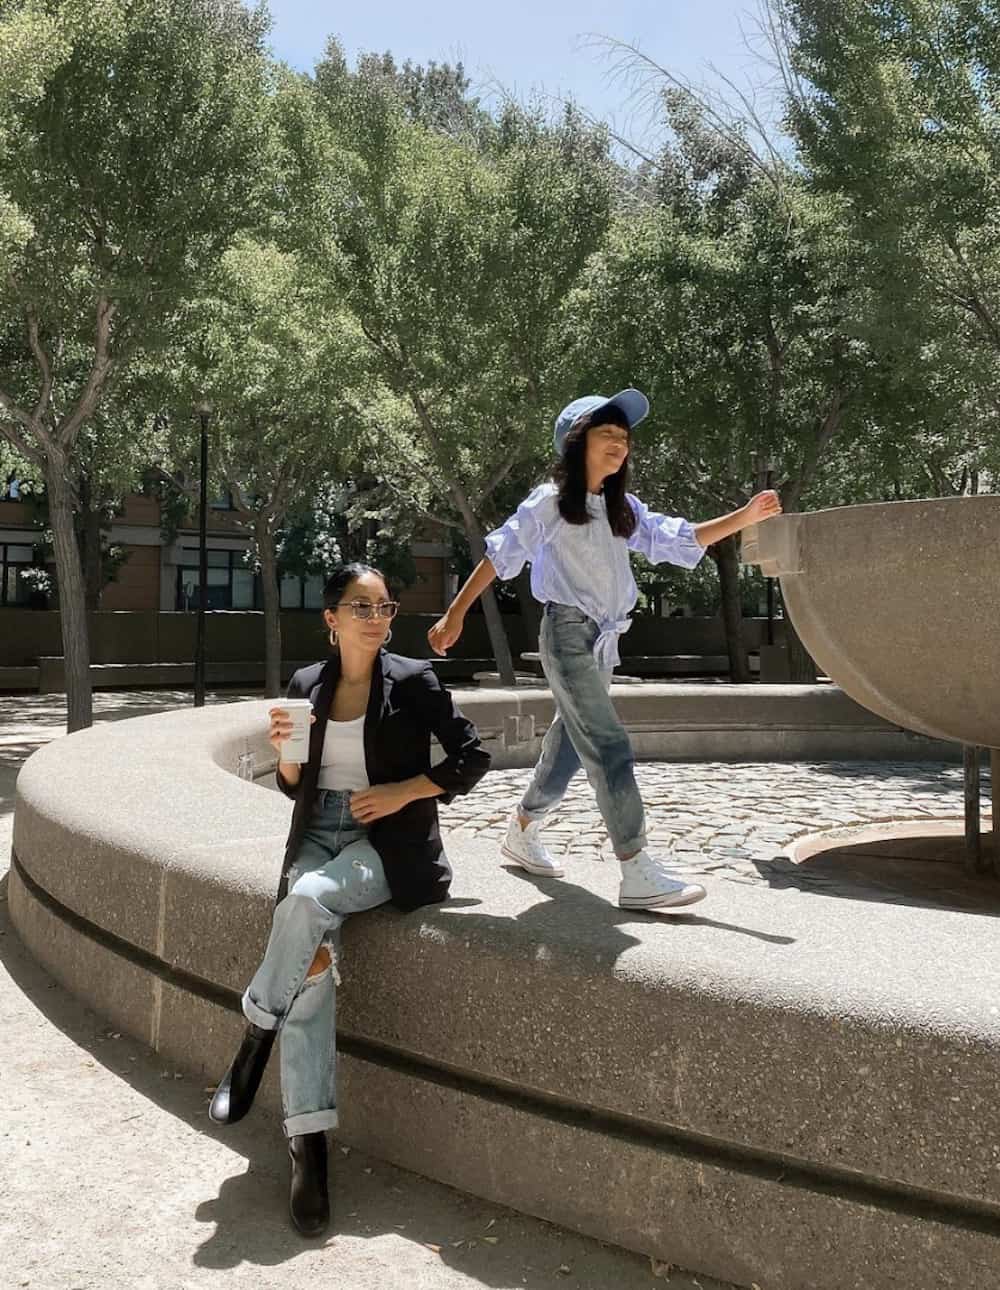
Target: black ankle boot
(235, 1094)
(309, 1198)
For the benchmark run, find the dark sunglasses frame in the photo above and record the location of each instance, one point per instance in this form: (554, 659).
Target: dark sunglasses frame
(384, 608)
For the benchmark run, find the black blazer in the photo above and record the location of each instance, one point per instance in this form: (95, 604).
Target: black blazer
(406, 705)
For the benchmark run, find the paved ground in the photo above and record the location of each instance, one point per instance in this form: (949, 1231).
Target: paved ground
(112, 1173)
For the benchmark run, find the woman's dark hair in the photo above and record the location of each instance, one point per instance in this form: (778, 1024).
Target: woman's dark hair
(343, 576)
(570, 475)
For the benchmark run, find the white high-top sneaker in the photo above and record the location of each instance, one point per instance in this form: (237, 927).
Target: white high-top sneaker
(526, 848)
(647, 883)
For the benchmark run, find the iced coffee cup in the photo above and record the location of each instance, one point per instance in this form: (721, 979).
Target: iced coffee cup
(296, 746)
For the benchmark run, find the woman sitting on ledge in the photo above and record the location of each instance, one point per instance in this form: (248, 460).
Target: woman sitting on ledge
(364, 831)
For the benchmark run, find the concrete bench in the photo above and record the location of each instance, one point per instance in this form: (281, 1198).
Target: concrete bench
(49, 676)
(141, 676)
(702, 721)
(459, 669)
(19, 678)
(780, 1087)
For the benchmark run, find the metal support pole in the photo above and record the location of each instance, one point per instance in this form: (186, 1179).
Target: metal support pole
(769, 582)
(973, 840)
(770, 611)
(995, 807)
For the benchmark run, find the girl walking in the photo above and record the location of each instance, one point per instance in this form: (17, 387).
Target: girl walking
(577, 530)
(364, 831)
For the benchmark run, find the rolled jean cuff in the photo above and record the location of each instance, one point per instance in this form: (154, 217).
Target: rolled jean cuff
(310, 1122)
(255, 1013)
(639, 844)
(538, 814)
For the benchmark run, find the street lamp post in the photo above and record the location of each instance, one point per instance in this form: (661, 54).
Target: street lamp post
(204, 412)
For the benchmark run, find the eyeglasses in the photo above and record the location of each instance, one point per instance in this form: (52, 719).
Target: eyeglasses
(365, 609)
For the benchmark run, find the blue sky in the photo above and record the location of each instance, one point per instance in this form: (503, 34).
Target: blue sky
(526, 45)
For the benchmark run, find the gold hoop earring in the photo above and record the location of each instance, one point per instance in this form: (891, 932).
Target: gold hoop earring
(388, 637)
(334, 636)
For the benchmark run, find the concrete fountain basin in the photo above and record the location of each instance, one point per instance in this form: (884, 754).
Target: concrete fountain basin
(899, 603)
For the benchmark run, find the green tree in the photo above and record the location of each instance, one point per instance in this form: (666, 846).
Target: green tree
(110, 462)
(895, 116)
(279, 363)
(33, 42)
(143, 155)
(345, 519)
(732, 299)
(456, 257)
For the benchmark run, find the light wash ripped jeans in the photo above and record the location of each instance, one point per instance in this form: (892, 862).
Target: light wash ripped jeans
(586, 732)
(337, 872)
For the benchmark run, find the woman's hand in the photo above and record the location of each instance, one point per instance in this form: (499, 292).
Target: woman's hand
(380, 800)
(762, 507)
(281, 728)
(445, 632)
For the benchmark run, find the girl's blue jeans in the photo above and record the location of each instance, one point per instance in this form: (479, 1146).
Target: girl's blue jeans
(586, 732)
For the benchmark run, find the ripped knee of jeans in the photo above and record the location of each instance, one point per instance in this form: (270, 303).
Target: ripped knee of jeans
(324, 961)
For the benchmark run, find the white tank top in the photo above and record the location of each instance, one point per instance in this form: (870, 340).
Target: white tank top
(342, 764)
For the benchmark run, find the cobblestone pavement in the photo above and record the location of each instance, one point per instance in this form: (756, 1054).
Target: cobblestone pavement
(729, 820)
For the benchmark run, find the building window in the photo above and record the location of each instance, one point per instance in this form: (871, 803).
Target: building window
(231, 585)
(222, 501)
(13, 559)
(11, 490)
(302, 593)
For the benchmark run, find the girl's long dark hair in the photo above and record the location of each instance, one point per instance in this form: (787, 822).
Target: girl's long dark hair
(343, 576)
(570, 476)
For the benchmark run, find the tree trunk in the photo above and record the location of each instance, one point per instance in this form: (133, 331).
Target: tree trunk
(89, 520)
(72, 598)
(494, 618)
(531, 610)
(272, 611)
(728, 564)
(498, 638)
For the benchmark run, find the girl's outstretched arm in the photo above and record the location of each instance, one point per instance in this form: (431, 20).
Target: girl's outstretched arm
(507, 550)
(760, 507)
(448, 627)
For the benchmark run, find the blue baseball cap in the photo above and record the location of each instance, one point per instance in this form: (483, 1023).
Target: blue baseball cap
(633, 403)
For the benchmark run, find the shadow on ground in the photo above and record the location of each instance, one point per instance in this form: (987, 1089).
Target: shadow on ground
(924, 871)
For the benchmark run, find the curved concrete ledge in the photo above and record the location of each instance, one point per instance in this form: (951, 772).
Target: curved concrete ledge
(785, 1087)
(705, 722)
